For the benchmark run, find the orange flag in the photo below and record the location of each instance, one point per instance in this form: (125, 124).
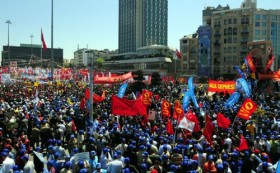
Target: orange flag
(247, 108)
(165, 108)
(178, 110)
(169, 128)
(147, 97)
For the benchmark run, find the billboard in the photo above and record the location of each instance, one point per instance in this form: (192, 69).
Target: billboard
(204, 51)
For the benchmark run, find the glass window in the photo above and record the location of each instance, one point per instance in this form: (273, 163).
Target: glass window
(263, 17)
(273, 17)
(225, 22)
(263, 24)
(257, 32)
(258, 17)
(273, 24)
(263, 32)
(257, 24)
(235, 21)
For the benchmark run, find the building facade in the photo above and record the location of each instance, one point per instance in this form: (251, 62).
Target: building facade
(189, 53)
(84, 57)
(142, 23)
(27, 54)
(232, 29)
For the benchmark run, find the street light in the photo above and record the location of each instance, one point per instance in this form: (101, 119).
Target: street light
(31, 36)
(8, 22)
(52, 68)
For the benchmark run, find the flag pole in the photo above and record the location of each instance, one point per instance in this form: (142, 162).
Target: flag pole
(41, 49)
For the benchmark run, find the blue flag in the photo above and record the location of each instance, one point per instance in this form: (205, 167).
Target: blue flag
(232, 99)
(186, 100)
(122, 90)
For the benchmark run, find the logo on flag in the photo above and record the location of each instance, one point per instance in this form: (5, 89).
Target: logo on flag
(186, 124)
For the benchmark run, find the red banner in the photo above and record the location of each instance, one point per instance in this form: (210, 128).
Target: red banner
(251, 63)
(147, 97)
(121, 78)
(121, 106)
(221, 86)
(165, 108)
(247, 108)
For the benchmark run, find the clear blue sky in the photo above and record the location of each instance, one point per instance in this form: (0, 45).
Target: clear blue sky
(94, 22)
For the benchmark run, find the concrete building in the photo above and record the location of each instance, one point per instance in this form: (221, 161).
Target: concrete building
(142, 23)
(232, 29)
(189, 53)
(84, 57)
(31, 55)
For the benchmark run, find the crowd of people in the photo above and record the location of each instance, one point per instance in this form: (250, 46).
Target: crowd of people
(44, 129)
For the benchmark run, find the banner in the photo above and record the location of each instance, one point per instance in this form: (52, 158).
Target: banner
(247, 108)
(250, 62)
(242, 85)
(147, 97)
(165, 108)
(191, 91)
(120, 78)
(122, 90)
(221, 86)
(121, 106)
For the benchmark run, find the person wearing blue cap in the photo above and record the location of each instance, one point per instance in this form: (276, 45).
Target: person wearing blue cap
(176, 158)
(28, 164)
(115, 165)
(105, 158)
(93, 160)
(66, 167)
(59, 149)
(265, 167)
(7, 163)
(139, 154)
(209, 166)
(128, 165)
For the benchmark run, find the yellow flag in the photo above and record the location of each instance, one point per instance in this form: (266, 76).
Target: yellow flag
(69, 101)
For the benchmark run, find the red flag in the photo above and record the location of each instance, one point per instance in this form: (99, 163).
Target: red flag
(191, 116)
(208, 130)
(74, 128)
(121, 106)
(82, 103)
(247, 108)
(43, 41)
(96, 98)
(178, 54)
(243, 144)
(222, 121)
(249, 59)
(169, 128)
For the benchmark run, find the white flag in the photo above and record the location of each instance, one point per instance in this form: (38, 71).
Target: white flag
(186, 124)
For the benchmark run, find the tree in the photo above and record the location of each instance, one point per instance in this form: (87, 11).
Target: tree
(99, 63)
(138, 83)
(156, 79)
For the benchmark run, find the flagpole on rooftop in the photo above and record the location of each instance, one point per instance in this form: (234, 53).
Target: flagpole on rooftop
(52, 59)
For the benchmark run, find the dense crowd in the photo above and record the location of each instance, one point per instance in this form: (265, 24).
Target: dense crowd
(44, 129)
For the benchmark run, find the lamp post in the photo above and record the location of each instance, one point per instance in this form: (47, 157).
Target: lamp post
(31, 36)
(9, 58)
(52, 59)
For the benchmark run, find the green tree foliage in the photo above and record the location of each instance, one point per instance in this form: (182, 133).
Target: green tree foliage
(156, 79)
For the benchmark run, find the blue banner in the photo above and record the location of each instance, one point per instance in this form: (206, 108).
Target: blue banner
(244, 86)
(232, 99)
(186, 100)
(191, 91)
(122, 90)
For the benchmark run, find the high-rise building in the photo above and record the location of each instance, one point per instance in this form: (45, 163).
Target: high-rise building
(232, 29)
(142, 23)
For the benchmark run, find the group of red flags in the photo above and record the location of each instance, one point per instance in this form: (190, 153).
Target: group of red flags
(187, 121)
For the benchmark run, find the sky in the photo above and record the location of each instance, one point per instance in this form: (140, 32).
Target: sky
(93, 24)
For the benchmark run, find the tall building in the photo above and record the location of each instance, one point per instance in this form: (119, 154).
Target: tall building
(232, 29)
(142, 23)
